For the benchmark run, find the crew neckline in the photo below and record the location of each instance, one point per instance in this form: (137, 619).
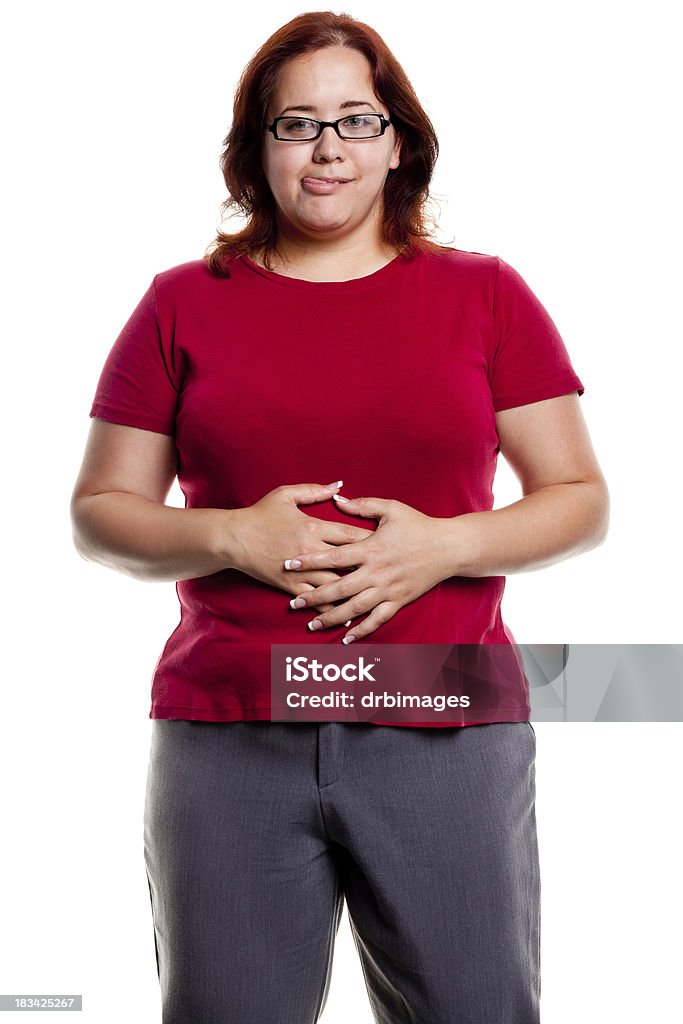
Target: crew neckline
(355, 284)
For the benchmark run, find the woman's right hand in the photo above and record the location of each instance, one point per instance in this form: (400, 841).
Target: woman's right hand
(266, 533)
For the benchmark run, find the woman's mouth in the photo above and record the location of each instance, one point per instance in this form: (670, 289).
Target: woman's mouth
(322, 187)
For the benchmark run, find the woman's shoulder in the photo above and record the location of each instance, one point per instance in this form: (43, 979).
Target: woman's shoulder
(189, 272)
(193, 280)
(461, 258)
(450, 265)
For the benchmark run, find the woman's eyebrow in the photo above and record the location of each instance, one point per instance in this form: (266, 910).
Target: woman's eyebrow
(342, 106)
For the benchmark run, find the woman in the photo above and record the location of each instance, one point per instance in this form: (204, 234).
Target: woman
(332, 338)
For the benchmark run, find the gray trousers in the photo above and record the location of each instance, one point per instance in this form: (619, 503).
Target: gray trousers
(256, 832)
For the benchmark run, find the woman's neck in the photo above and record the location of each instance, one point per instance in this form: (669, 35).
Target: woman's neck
(311, 265)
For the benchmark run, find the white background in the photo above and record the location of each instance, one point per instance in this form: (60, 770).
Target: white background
(559, 130)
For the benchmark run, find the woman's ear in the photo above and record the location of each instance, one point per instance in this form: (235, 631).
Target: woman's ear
(395, 156)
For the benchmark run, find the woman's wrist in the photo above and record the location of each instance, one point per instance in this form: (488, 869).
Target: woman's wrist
(226, 537)
(460, 545)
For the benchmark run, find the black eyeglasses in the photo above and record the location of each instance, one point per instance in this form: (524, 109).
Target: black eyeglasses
(287, 128)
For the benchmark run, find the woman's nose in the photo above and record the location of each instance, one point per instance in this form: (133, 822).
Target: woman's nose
(328, 142)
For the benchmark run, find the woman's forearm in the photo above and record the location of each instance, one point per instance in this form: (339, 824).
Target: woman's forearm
(544, 527)
(149, 541)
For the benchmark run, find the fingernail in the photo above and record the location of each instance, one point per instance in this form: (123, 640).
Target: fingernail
(348, 639)
(340, 497)
(348, 623)
(332, 487)
(292, 563)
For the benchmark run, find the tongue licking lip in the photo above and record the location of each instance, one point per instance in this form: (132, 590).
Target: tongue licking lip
(320, 185)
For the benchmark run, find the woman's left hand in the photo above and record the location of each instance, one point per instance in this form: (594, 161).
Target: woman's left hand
(400, 561)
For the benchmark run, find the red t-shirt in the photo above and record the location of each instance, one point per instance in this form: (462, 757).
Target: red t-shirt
(389, 382)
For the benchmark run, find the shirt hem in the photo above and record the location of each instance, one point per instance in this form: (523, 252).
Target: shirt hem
(127, 419)
(564, 386)
(263, 715)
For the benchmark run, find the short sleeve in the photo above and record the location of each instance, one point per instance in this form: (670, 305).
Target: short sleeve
(136, 387)
(530, 361)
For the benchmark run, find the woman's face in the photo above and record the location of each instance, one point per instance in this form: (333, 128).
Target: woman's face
(322, 81)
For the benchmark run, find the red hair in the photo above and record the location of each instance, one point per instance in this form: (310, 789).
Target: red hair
(406, 190)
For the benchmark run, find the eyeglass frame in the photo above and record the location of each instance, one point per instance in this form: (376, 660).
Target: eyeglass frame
(384, 124)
